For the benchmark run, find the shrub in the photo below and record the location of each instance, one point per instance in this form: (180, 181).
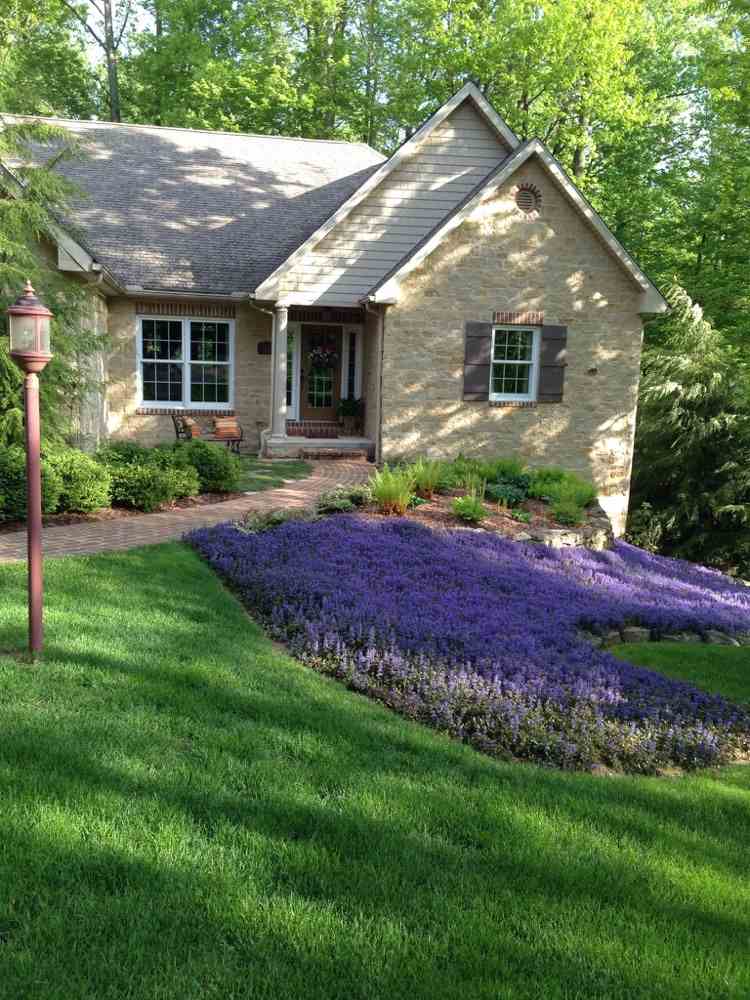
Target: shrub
(392, 489)
(263, 521)
(567, 511)
(498, 469)
(122, 453)
(144, 487)
(185, 481)
(86, 484)
(13, 485)
(521, 515)
(469, 508)
(427, 476)
(557, 484)
(218, 469)
(344, 498)
(505, 493)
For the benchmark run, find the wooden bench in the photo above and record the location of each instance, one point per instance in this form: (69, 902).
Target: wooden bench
(227, 430)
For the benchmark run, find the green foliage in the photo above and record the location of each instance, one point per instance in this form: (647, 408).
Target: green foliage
(566, 510)
(521, 515)
(344, 498)
(219, 470)
(116, 453)
(469, 508)
(144, 487)
(86, 484)
(13, 494)
(506, 492)
(264, 520)
(31, 197)
(392, 489)
(427, 475)
(556, 484)
(692, 460)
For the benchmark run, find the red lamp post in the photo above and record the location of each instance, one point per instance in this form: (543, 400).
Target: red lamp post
(29, 322)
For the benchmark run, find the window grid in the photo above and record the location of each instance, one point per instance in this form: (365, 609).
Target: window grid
(186, 362)
(513, 363)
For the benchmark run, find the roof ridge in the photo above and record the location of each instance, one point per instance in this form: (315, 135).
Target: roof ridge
(182, 128)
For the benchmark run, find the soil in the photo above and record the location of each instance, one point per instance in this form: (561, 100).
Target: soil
(438, 513)
(115, 513)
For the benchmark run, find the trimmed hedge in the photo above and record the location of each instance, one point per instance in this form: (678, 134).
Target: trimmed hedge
(86, 484)
(218, 469)
(146, 487)
(13, 485)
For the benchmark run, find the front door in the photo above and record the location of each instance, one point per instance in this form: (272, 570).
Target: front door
(320, 372)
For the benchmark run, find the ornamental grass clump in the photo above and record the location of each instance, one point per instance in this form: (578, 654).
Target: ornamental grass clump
(427, 475)
(478, 636)
(392, 489)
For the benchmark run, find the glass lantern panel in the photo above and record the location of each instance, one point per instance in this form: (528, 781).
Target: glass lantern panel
(22, 334)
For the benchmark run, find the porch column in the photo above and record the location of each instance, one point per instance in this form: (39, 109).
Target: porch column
(278, 414)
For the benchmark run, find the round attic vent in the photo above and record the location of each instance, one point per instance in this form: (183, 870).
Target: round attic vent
(528, 199)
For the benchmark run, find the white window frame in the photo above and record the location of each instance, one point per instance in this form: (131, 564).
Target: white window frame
(184, 403)
(510, 397)
(358, 331)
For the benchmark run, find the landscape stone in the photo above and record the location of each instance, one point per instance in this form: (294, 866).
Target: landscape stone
(717, 638)
(634, 633)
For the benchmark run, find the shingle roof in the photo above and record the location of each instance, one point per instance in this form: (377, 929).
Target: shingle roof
(175, 209)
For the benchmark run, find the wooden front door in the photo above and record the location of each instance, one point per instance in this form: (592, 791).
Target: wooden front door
(320, 389)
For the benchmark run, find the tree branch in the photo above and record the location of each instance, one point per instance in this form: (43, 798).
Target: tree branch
(124, 26)
(82, 20)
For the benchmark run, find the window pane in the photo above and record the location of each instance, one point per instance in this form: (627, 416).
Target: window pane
(209, 342)
(162, 339)
(209, 383)
(162, 382)
(320, 388)
(511, 380)
(513, 345)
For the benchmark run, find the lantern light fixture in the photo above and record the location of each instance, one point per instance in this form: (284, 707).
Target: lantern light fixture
(29, 328)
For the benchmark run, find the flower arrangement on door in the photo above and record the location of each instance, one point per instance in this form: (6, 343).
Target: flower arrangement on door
(323, 357)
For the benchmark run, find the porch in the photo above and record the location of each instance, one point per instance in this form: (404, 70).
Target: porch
(325, 374)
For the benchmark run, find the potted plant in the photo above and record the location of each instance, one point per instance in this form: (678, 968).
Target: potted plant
(350, 414)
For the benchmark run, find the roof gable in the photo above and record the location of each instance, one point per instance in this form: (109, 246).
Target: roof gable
(386, 290)
(269, 289)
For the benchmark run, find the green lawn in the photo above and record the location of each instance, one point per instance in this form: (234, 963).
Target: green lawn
(258, 474)
(718, 669)
(187, 813)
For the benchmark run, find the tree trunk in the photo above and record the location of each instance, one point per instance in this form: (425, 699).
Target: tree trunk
(111, 54)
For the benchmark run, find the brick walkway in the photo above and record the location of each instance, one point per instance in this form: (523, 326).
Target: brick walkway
(149, 529)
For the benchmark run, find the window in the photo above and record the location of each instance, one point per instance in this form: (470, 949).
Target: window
(515, 363)
(186, 363)
(351, 369)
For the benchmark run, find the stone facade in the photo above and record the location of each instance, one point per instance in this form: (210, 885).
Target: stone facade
(126, 419)
(500, 260)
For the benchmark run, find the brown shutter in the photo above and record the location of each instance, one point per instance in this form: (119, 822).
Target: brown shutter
(552, 364)
(477, 361)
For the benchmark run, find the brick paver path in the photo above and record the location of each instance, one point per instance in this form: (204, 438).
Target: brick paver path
(148, 529)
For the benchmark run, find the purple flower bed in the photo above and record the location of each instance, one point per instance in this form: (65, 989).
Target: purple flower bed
(478, 636)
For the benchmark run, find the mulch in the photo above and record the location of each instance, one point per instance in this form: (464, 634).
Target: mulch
(438, 513)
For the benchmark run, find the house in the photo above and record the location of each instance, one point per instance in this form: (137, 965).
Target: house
(463, 289)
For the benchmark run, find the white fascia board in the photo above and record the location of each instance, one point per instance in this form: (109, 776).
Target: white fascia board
(652, 301)
(268, 289)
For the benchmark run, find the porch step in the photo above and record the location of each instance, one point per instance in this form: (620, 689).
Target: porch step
(360, 455)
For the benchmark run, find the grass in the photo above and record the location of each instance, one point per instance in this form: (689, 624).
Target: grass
(258, 474)
(717, 669)
(189, 813)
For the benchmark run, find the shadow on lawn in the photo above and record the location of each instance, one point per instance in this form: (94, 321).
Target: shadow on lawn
(284, 793)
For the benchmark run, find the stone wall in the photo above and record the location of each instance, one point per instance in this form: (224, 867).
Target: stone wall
(502, 260)
(252, 373)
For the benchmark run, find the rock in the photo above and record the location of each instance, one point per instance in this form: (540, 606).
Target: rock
(743, 638)
(602, 771)
(590, 637)
(522, 536)
(634, 633)
(612, 637)
(717, 638)
(681, 637)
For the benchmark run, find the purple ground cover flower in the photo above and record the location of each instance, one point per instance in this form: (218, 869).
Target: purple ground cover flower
(478, 635)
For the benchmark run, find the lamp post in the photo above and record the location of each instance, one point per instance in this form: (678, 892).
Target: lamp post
(29, 322)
